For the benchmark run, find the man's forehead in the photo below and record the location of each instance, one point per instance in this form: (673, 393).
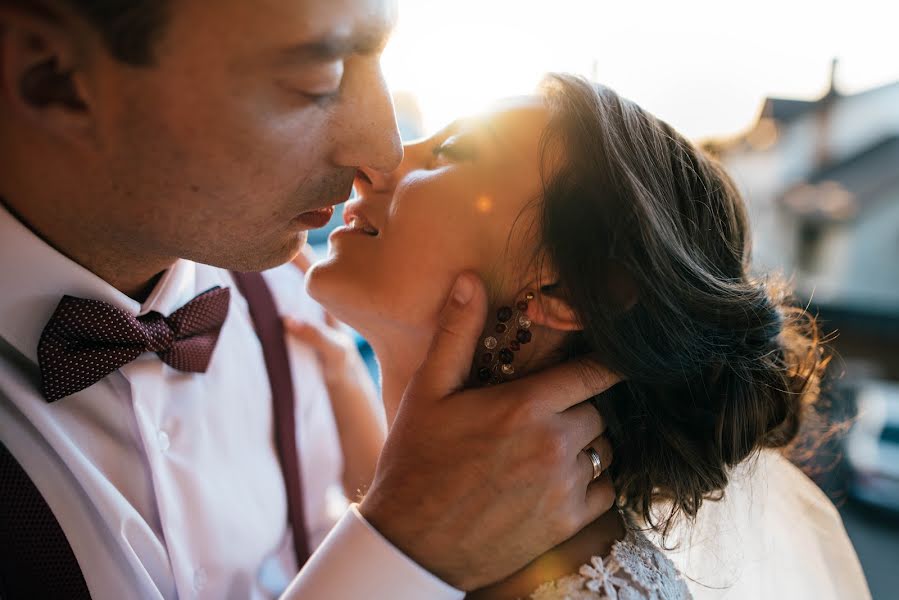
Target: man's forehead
(348, 26)
(313, 28)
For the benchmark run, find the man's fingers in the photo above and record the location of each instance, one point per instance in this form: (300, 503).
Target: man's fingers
(600, 497)
(582, 424)
(603, 447)
(449, 358)
(561, 387)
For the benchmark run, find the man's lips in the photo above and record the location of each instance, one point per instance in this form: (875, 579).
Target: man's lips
(316, 218)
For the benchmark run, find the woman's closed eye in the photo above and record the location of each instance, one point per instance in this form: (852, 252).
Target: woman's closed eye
(455, 149)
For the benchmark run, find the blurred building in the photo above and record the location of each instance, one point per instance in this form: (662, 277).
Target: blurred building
(409, 119)
(821, 178)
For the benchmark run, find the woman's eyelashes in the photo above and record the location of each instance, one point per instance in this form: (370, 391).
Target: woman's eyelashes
(455, 148)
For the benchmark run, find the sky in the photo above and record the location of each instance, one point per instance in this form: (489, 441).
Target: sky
(704, 66)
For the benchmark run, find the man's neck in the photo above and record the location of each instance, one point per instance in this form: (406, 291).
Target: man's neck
(133, 275)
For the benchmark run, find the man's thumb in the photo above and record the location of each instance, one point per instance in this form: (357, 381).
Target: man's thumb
(461, 322)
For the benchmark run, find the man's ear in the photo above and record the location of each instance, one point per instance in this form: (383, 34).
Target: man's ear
(550, 309)
(40, 80)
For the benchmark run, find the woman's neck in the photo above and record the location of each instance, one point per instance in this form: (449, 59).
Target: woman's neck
(398, 357)
(400, 354)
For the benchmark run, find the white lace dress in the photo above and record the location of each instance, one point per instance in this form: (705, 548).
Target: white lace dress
(635, 569)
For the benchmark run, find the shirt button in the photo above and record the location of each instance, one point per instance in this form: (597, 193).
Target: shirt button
(200, 579)
(164, 441)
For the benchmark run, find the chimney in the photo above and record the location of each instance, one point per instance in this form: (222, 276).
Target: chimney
(823, 117)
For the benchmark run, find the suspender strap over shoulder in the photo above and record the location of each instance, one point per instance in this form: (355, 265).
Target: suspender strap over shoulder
(36, 560)
(270, 330)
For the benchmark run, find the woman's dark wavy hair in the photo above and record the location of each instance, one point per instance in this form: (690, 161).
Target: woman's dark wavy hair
(717, 363)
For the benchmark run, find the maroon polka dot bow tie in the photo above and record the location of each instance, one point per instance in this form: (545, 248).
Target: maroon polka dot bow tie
(86, 340)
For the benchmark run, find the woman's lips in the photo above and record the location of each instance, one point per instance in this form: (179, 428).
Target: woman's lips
(349, 230)
(316, 218)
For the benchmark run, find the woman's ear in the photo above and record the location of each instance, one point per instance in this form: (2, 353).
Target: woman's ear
(550, 306)
(40, 79)
(550, 309)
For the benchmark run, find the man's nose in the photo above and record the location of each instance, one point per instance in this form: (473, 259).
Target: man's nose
(370, 139)
(368, 178)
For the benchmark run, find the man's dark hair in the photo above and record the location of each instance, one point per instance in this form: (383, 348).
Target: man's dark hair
(129, 28)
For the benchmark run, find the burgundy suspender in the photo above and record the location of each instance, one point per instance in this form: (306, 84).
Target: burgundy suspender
(36, 560)
(270, 330)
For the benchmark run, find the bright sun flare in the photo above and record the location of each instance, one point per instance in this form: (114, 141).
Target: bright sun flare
(703, 65)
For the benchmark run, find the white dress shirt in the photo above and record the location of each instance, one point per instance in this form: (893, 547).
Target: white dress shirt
(167, 484)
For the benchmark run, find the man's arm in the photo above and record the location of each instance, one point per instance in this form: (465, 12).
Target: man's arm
(355, 561)
(472, 484)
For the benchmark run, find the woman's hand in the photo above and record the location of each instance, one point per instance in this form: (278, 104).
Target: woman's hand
(335, 348)
(354, 397)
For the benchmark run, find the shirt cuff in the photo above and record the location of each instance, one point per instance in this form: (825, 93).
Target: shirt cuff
(355, 561)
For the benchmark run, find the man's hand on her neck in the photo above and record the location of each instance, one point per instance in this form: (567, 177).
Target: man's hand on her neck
(475, 484)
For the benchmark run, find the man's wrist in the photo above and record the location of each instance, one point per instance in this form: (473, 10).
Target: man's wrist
(384, 525)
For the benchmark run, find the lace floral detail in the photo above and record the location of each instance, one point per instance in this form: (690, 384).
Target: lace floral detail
(634, 570)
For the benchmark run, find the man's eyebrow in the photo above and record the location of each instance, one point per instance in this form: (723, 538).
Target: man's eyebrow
(370, 40)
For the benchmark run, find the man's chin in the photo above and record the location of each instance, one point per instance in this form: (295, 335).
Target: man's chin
(263, 259)
(291, 250)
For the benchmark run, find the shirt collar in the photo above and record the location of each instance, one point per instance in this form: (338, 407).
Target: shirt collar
(35, 277)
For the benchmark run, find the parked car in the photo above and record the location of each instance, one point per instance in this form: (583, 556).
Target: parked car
(872, 446)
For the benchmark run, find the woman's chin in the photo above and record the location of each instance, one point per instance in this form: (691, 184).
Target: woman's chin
(336, 292)
(323, 285)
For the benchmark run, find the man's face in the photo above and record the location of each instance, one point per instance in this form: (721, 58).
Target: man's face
(253, 114)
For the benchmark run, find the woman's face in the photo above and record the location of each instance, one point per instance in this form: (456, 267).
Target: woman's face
(464, 199)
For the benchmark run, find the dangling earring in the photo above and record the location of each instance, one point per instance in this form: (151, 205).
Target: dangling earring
(511, 332)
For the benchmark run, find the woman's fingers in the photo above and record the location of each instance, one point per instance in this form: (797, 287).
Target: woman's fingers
(307, 333)
(325, 342)
(331, 321)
